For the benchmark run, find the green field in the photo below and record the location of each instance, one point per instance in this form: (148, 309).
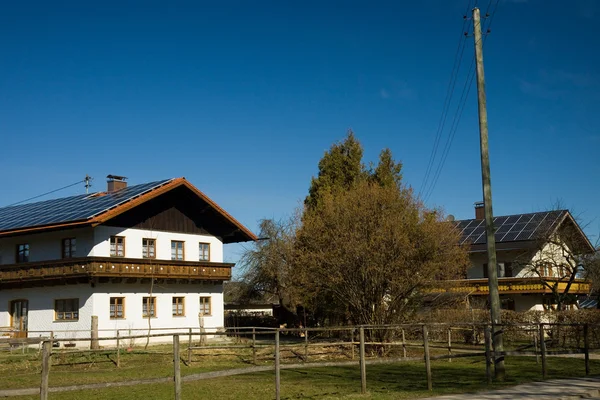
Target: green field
(384, 381)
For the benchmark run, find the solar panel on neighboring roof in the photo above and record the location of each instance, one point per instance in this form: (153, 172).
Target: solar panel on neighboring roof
(510, 228)
(69, 209)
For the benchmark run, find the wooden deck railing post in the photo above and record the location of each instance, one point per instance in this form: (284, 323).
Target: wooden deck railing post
(176, 367)
(363, 365)
(488, 353)
(46, 352)
(277, 369)
(427, 358)
(254, 345)
(543, 350)
(586, 348)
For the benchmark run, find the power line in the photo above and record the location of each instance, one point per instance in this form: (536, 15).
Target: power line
(45, 194)
(459, 110)
(448, 100)
(454, 126)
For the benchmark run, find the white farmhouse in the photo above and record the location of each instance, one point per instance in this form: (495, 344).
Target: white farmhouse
(128, 258)
(538, 257)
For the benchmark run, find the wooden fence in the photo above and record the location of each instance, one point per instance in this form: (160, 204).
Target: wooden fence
(351, 337)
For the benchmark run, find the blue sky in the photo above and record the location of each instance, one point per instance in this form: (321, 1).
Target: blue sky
(243, 98)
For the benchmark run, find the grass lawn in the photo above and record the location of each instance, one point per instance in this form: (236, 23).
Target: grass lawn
(390, 381)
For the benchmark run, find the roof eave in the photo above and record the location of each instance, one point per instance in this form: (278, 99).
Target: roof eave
(45, 228)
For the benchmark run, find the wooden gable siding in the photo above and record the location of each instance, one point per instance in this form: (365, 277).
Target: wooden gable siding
(171, 220)
(174, 211)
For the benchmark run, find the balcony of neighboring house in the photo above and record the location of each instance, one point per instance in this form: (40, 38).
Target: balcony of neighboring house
(83, 269)
(513, 285)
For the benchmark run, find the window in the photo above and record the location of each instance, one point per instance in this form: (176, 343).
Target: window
(204, 305)
(66, 309)
(507, 304)
(149, 248)
(178, 306)
(204, 250)
(547, 270)
(117, 307)
(23, 252)
(69, 246)
(176, 250)
(504, 270)
(508, 270)
(149, 307)
(117, 246)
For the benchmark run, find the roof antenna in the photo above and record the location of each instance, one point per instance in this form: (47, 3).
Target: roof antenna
(87, 181)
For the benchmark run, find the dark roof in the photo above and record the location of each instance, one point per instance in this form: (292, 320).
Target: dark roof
(96, 208)
(512, 228)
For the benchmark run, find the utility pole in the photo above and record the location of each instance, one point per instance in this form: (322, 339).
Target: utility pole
(487, 200)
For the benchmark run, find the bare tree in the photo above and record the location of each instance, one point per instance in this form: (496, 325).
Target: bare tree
(268, 264)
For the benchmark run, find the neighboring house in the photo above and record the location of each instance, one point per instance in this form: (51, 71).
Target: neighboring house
(536, 253)
(239, 302)
(149, 254)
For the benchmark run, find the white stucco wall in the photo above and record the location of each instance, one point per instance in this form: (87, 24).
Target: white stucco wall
(96, 242)
(41, 318)
(47, 245)
(479, 259)
(96, 301)
(528, 302)
(133, 243)
(521, 261)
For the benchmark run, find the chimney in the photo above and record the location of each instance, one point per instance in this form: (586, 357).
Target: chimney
(115, 183)
(479, 210)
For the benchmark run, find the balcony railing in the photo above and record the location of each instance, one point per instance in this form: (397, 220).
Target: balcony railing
(113, 267)
(512, 286)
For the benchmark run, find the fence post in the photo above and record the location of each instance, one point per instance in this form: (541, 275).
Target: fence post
(190, 346)
(427, 359)
(352, 342)
(586, 348)
(118, 350)
(47, 348)
(277, 370)
(543, 350)
(176, 367)
(363, 365)
(449, 344)
(253, 345)
(94, 345)
(306, 345)
(488, 353)
(535, 345)
(403, 344)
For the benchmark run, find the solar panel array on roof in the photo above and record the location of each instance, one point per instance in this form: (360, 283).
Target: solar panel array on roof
(510, 228)
(69, 209)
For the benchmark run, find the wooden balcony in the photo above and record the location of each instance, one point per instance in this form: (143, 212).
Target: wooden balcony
(101, 268)
(511, 286)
